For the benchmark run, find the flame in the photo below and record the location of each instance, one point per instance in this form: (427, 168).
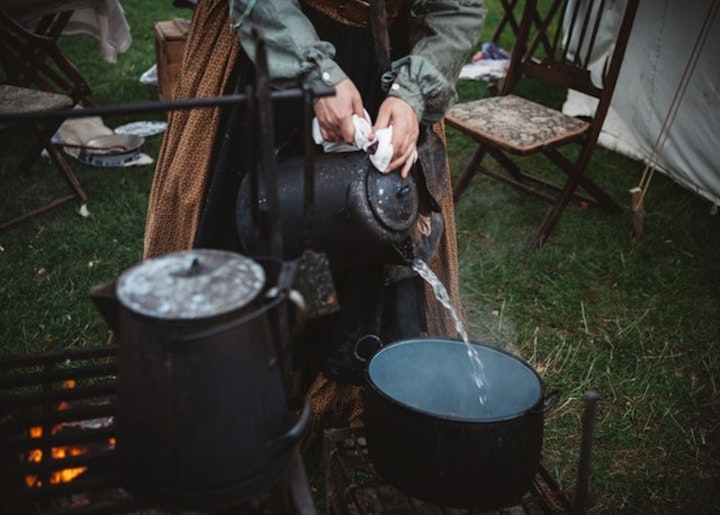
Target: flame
(36, 455)
(66, 475)
(57, 476)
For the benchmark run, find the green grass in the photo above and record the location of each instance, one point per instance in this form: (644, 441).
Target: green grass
(636, 318)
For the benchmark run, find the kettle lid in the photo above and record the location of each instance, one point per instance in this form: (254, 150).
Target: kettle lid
(393, 200)
(191, 284)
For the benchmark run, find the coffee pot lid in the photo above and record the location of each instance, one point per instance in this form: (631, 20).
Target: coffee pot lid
(191, 285)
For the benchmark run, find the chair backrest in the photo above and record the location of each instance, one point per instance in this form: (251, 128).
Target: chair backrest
(34, 61)
(510, 20)
(508, 26)
(575, 44)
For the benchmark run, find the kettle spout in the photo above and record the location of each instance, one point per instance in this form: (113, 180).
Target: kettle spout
(106, 302)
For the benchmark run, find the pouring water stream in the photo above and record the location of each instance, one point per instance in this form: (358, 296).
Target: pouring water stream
(442, 295)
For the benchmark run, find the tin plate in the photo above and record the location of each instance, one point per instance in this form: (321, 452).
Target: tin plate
(145, 128)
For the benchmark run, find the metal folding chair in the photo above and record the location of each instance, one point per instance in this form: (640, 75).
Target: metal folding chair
(555, 45)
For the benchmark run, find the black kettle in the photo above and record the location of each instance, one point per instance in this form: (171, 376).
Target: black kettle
(358, 214)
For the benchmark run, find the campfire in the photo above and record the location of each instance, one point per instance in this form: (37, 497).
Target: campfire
(57, 430)
(56, 455)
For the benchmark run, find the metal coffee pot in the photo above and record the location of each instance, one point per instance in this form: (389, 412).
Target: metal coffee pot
(202, 415)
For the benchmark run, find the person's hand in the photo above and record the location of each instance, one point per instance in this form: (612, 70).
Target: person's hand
(334, 113)
(406, 129)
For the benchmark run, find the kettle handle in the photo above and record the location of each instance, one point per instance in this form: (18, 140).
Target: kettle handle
(293, 435)
(366, 346)
(550, 401)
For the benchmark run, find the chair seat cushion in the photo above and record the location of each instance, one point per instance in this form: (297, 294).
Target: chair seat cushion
(514, 123)
(14, 99)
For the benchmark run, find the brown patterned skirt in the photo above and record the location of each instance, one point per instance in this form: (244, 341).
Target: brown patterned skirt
(187, 149)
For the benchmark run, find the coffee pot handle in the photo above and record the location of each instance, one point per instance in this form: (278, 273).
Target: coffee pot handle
(293, 435)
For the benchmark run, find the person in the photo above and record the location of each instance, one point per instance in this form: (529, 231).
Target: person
(321, 43)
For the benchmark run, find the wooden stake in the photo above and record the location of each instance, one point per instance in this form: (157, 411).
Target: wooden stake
(637, 208)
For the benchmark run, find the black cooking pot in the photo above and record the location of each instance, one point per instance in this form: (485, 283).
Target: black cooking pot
(436, 435)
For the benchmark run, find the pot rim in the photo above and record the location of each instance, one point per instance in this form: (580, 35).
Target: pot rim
(535, 408)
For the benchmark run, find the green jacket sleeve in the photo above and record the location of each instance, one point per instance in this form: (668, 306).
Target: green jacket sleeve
(295, 52)
(442, 34)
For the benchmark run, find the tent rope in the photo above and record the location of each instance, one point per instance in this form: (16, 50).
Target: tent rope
(638, 193)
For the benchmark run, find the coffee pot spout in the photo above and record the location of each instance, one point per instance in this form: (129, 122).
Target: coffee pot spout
(106, 302)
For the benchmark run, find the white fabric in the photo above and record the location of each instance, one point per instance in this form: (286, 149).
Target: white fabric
(660, 46)
(105, 21)
(150, 76)
(382, 154)
(603, 43)
(485, 69)
(78, 131)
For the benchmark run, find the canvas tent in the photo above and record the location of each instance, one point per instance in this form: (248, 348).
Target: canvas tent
(660, 47)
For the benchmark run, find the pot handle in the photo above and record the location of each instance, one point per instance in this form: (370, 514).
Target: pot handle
(366, 347)
(230, 325)
(293, 435)
(550, 401)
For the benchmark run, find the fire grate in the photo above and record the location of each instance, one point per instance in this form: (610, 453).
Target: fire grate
(57, 434)
(57, 442)
(353, 487)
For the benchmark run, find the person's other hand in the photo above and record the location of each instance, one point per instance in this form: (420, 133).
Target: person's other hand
(398, 113)
(334, 113)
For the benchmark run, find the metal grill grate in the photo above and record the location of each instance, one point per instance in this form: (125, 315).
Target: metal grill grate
(353, 487)
(57, 419)
(66, 401)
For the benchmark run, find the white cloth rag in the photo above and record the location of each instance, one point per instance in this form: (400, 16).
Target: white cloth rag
(383, 150)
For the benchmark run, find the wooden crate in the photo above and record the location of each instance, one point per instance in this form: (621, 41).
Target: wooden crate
(170, 37)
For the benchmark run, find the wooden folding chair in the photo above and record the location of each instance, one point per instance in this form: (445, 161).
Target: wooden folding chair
(37, 77)
(555, 45)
